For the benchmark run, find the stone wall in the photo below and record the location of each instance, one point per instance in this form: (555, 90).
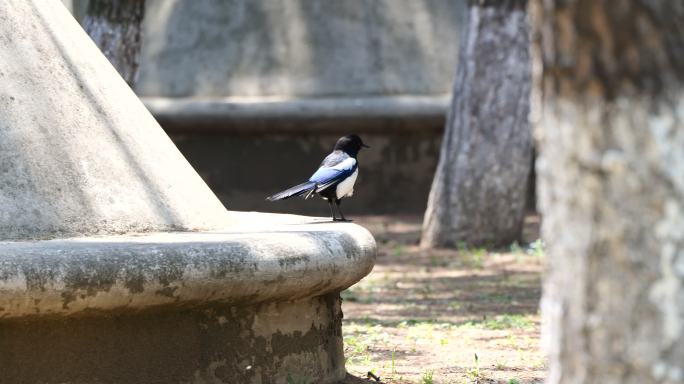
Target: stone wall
(273, 84)
(242, 169)
(298, 48)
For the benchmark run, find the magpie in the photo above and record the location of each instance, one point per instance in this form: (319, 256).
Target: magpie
(335, 177)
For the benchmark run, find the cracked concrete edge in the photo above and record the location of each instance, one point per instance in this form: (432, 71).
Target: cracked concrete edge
(267, 258)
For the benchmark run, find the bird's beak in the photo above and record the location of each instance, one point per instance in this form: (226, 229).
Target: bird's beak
(364, 145)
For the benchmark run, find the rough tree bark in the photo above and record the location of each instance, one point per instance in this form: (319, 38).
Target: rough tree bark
(114, 25)
(610, 126)
(480, 187)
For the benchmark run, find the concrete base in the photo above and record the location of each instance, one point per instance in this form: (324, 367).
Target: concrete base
(264, 343)
(256, 302)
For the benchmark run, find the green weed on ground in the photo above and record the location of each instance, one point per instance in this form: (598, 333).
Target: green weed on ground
(427, 378)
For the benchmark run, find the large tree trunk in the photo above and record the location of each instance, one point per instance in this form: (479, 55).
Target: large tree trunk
(114, 25)
(480, 187)
(611, 173)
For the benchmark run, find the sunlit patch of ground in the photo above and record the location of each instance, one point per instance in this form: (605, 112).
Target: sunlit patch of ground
(459, 316)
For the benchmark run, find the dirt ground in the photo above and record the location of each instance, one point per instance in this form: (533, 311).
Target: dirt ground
(460, 316)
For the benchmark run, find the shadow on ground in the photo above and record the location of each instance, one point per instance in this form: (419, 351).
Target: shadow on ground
(466, 315)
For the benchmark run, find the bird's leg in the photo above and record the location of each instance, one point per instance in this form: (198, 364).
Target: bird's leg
(332, 211)
(338, 202)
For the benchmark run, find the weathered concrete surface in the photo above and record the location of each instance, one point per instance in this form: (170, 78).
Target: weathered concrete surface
(79, 153)
(262, 343)
(253, 298)
(219, 48)
(265, 258)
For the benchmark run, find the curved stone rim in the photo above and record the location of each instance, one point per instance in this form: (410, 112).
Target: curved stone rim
(267, 258)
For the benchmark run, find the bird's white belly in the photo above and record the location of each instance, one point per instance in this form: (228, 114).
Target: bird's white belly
(346, 187)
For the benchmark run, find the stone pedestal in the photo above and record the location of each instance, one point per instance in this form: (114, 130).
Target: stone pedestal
(118, 264)
(254, 303)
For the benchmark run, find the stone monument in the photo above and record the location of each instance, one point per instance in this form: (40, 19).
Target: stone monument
(118, 264)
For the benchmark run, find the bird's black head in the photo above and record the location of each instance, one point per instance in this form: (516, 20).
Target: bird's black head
(351, 144)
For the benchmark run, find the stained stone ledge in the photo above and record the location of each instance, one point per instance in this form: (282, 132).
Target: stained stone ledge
(256, 302)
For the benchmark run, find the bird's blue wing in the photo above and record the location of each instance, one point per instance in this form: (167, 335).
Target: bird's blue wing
(327, 176)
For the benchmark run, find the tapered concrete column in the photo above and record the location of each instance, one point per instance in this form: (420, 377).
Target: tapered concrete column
(80, 154)
(117, 263)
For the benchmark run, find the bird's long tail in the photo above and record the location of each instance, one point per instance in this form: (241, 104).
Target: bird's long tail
(302, 189)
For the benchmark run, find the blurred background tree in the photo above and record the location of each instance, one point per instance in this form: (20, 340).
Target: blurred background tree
(611, 129)
(114, 25)
(479, 192)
